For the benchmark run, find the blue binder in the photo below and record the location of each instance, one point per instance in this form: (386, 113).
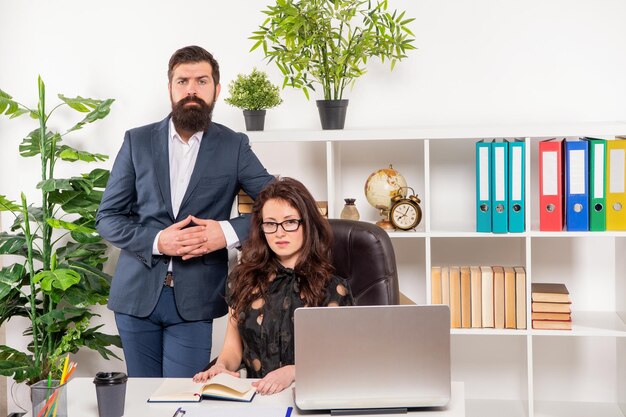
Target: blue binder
(516, 186)
(483, 186)
(499, 181)
(577, 185)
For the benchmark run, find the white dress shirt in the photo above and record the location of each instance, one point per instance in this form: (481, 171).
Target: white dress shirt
(182, 158)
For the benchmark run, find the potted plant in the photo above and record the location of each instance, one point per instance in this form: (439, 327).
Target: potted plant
(58, 273)
(254, 93)
(329, 42)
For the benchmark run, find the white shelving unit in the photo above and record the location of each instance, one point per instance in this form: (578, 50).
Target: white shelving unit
(533, 373)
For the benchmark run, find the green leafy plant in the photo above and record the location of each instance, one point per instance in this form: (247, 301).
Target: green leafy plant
(329, 41)
(253, 92)
(59, 273)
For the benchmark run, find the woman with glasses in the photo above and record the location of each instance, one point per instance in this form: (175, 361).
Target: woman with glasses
(285, 264)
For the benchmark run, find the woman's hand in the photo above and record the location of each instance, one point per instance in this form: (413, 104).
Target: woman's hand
(218, 368)
(276, 381)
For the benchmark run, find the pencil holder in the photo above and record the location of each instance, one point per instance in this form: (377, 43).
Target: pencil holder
(49, 398)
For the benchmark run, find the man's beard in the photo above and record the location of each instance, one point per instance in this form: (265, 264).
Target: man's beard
(192, 118)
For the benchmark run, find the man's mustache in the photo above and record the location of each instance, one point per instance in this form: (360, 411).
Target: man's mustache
(191, 99)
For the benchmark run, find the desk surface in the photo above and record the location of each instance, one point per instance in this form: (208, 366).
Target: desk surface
(82, 401)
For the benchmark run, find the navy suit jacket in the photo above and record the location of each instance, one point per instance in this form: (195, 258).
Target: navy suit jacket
(137, 204)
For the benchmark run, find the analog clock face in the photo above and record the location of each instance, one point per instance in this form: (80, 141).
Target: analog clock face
(405, 216)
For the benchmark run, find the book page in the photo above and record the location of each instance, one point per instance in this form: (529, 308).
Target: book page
(226, 380)
(228, 387)
(177, 390)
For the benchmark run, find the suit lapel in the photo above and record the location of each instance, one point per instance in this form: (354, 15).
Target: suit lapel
(207, 147)
(160, 153)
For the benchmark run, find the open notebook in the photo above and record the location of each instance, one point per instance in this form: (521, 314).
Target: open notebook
(221, 386)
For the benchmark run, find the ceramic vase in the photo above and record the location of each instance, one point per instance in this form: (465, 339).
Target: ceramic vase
(349, 211)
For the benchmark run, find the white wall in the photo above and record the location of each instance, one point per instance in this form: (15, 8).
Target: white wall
(480, 61)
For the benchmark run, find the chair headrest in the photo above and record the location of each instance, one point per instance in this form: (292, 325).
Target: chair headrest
(364, 255)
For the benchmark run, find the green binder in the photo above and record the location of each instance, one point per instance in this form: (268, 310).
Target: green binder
(597, 184)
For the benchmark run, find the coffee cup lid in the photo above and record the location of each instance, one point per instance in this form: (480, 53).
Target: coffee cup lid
(110, 378)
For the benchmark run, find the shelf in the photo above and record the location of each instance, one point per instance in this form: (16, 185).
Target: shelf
(488, 331)
(533, 234)
(398, 234)
(576, 409)
(444, 132)
(584, 323)
(495, 408)
(475, 234)
(454, 234)
(608, 233)
(590, 323)
(507, 372)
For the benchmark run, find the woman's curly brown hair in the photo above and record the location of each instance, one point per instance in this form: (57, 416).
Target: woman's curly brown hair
(250, 278)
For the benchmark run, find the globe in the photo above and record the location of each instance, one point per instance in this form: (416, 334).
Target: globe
(380, 187)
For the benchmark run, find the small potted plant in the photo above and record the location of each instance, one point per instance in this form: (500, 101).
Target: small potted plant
(254, 94)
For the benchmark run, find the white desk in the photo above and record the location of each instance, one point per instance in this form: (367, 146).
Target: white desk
(81, 397)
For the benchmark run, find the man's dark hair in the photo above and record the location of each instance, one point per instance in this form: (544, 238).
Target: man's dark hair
(192, 54)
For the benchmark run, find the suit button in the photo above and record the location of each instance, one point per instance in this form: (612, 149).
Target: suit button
(164, 261)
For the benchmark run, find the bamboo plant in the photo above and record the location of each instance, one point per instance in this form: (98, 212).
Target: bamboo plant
(58, 274)
(330, 41)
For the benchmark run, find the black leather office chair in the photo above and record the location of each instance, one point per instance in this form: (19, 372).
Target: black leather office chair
(363, 254)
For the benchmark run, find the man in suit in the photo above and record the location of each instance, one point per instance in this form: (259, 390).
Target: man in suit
(167, 206)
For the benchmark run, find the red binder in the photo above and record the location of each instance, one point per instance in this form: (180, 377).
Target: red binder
(551, 185)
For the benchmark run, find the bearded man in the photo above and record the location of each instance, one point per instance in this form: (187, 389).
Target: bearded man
(166, 207)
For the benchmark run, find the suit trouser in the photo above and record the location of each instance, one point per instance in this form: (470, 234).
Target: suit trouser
(164, 344)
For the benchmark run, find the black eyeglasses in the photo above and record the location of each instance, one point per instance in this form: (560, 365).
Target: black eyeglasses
(290, 225)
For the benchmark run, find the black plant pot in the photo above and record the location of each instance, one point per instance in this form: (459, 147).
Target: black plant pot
(332, 113)
(255, 119)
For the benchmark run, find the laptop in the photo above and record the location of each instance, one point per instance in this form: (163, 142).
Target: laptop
(372, 357)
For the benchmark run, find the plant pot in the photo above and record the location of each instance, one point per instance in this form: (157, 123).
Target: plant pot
(332, 113)
(255, 119)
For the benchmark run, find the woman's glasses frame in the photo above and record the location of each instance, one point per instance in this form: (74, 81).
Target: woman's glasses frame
(289, 225)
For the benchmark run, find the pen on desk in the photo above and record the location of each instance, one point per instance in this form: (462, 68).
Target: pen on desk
(289, 410)
(179, 412)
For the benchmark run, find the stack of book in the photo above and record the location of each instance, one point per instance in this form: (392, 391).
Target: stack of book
(245, 203)
(551, 307)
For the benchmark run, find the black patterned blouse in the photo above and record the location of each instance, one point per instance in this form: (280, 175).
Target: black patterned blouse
(267, 326)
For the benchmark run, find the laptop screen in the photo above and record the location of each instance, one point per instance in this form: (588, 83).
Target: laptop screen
(365, 357)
